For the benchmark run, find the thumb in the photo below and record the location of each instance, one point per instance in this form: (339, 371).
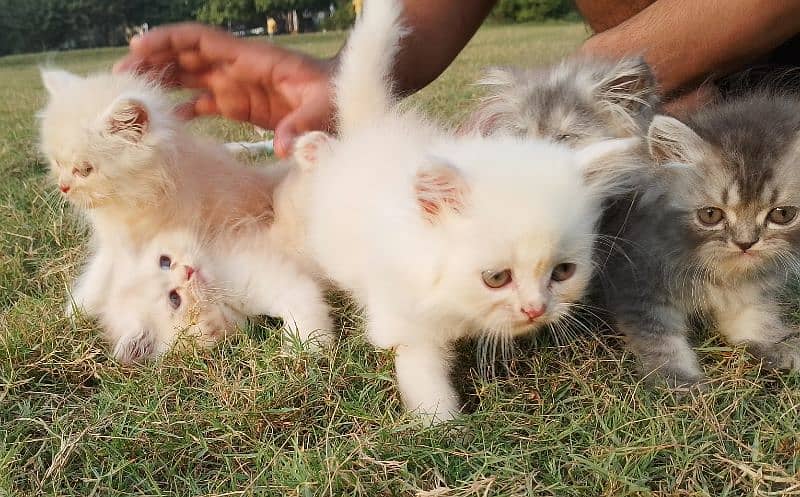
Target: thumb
(309, 117)
(285, 133)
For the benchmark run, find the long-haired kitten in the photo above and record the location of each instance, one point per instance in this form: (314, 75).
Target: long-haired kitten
(442, 236)
(717, 237)
(577, 101)
(120, 155)
(178, 286)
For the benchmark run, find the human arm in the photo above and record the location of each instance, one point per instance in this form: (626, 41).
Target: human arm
(686, 41)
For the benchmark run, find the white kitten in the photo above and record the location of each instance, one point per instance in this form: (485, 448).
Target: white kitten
(440, 236)
(121, 156)
(179, 286)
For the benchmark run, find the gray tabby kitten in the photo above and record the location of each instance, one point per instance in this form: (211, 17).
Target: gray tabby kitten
(577, 101)
(717, 237)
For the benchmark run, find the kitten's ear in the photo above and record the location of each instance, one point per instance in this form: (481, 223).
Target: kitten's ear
(629, 84)
(56, 80)
(309, 148)
(128, 118)
(494, 105)
(671, 141)
(611, 166)
(439, 188)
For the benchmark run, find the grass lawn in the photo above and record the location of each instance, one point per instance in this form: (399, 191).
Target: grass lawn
(249, 419)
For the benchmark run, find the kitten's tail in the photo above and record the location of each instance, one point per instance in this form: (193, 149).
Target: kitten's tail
(363, 85)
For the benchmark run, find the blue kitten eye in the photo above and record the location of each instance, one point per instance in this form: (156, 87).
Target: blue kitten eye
(174, 299)
(164, 262)
(496, 279)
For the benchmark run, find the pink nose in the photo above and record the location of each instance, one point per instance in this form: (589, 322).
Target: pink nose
(63, 188)
(533, 313)
(189, 272)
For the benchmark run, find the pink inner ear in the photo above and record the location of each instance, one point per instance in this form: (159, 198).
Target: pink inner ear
(439, 189)
(132, 118)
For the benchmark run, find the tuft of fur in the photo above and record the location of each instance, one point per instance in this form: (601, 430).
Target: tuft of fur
(739, 157)
(577, 101)
(411, 219)
(124, 160)
(364, 84)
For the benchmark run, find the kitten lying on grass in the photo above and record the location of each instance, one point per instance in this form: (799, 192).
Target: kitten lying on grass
(178, 288)
(441, 236)
(577, 101)
(717, 237)
(121, 157)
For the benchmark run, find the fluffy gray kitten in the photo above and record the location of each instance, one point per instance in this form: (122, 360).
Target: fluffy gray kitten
(717, 237)
(577, 101)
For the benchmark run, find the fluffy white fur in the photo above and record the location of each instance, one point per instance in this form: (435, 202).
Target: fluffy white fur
(119, 155)
(178, 287)
(408, 217)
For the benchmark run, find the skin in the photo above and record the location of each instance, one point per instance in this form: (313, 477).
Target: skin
(685, 42)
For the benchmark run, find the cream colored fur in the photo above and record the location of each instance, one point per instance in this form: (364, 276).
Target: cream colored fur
(408, 217)
(127, 164)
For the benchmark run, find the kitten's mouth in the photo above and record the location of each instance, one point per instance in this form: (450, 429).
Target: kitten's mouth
(527, 326)
(748, 257)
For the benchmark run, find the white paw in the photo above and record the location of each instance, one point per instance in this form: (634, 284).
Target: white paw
(309, 147)
(135, 348)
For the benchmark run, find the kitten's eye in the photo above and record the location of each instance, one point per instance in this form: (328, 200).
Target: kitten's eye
(83, 171)
(496, 279)
(564, 137)
(174, 299)
(782, 215)
(563, 271)
(710, 215)
(164, 262)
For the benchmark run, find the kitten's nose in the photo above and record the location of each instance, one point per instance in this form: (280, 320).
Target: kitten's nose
(532, 312)
(189, 272)
(745, 245)
(63, 188)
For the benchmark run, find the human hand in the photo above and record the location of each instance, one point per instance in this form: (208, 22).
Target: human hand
(245, 80)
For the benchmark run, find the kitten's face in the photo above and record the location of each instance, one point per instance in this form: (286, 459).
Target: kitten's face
(185, 297)
(738, 195)
(80, 178)
(169, 294)
(100, 135)
(513, 284)
(519, 249)
(577, 102)
(739, 231)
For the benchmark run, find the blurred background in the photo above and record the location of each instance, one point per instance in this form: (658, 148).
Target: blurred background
(43, 25)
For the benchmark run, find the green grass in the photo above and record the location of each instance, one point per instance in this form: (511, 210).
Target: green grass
(249, 419)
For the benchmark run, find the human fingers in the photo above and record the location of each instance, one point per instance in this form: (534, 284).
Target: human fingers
(315, 114)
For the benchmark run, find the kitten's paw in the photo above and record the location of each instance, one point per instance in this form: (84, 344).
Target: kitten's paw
(440, 413)
(675, 377)
(135, 348)
(782, 355)
(316, 341)
(310, 147)
(314, 331)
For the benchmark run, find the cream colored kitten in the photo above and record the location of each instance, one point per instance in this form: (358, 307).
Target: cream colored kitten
(126, 162)
(441, 236)
(178, 287)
